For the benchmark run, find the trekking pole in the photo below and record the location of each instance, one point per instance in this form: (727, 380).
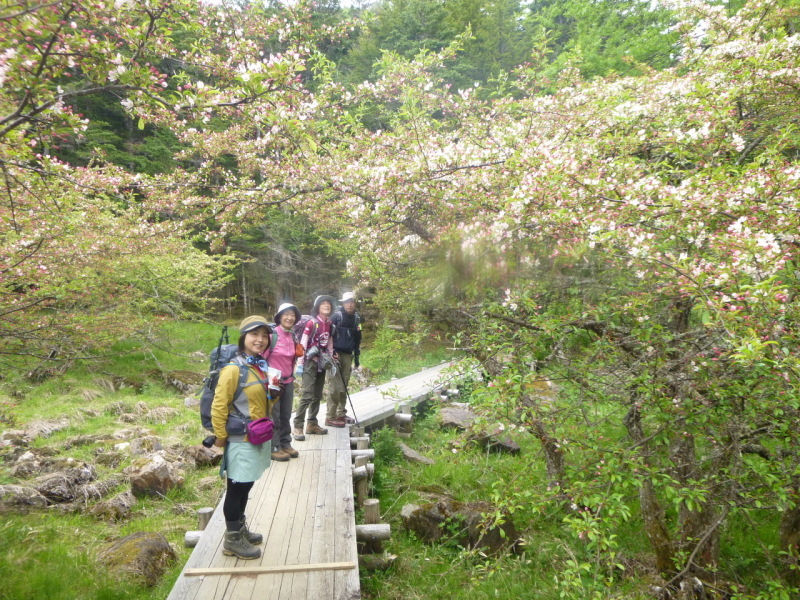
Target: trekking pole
(348, 396)
(223, 336)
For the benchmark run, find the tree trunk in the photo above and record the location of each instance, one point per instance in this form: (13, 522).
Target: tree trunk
(697, 526)
(790, 538)
(553, 456)
(655, 525)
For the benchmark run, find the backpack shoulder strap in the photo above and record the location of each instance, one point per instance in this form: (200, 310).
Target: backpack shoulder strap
(244, 371)
(242, 382)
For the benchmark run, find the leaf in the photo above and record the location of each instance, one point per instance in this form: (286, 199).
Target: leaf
(141, 123)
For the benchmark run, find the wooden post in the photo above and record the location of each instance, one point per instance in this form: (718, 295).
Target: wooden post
(403, 424)
(403, 420)
(372, 511)
(354, 441)
(360, 479)
(372, 516)
(381, 531)
(192, 538)
(203, 517)
(368, 453)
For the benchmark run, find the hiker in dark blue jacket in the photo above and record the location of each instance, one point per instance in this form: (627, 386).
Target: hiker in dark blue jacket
(347, 350)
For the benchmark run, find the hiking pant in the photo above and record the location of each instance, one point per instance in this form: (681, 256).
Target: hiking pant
(337, 393)
(236, 493)
(313, 386)
(282, 416)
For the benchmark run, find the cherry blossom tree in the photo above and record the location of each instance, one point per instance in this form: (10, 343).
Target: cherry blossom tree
(647, 230)
(634, 239)
(91, 253)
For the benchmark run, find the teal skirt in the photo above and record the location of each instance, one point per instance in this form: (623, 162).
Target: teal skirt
(244, 462)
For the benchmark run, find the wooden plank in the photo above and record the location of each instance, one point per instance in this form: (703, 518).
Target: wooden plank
(320, 583)
(211, 544)
(262, 570)
(295, 503)
(261, 518)
(276, 546)
(346, 583)
(299, 550)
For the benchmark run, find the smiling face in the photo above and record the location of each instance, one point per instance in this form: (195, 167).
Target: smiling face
(256, 341)
(325, 309)
(287, 319)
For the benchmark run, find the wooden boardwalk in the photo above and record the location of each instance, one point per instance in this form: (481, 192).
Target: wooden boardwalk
(305, 510)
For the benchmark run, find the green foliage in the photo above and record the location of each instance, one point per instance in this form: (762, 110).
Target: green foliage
(286, 258)
(600, 38)
(112, 136)
(393, 353)
(385, 442)
(626, 36)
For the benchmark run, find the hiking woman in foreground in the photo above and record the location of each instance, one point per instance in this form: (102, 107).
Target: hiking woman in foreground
(243, 462)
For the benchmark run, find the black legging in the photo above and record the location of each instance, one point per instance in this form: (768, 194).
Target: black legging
(236, 500)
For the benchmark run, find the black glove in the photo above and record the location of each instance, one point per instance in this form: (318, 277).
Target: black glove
(356, 362)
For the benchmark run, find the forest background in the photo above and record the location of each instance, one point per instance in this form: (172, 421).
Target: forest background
(600, 195)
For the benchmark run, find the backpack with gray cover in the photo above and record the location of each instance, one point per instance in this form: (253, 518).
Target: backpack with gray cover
(221, 356)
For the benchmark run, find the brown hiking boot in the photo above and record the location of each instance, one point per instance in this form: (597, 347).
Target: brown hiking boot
(291, 451)
(280, 455)
(297, 433)
(334, 422)
(315, 429)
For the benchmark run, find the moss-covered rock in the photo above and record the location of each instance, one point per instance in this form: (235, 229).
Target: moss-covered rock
(144, 555)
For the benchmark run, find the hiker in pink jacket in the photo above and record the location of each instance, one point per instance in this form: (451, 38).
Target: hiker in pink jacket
(283, 355)
(317, 343)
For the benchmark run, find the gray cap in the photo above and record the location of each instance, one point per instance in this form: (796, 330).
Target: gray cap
(319, 300)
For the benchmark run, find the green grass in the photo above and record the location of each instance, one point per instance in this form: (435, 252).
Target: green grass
(446, 571)
(391, 353)
(51, 554)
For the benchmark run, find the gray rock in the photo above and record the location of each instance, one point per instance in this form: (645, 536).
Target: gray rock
(414, 456)
(155, 478)
(184, 381)
(38, 461)
(132, 433)
(201, 456)
(20, 498)
(45, 429)
(457, 418)
(143, 446)
(63, 486)
(496, 441)
(114, 509)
